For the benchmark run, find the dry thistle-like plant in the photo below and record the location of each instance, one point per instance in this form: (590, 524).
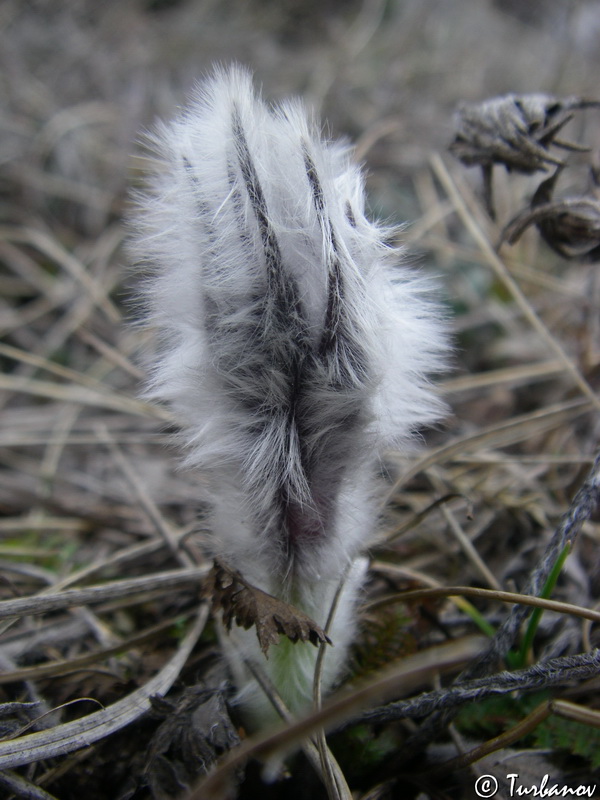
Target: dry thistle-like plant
(516, 131)
(292, 348)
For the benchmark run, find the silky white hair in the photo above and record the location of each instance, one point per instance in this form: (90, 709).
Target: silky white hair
(292, 348)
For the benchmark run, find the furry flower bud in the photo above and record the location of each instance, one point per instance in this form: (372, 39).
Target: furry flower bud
(291, 347)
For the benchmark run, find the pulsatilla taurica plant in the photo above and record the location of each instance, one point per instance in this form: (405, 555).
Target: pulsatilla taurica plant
(292, 349)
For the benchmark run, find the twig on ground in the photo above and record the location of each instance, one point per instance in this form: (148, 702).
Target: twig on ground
(556, 672)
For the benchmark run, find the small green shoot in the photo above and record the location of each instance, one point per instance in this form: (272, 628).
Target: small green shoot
(517, 660)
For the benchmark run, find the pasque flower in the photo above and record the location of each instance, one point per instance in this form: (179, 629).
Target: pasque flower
(291, 347)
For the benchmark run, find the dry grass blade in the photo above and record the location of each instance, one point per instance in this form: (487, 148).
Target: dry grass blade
(45, 603)
(561, 708)
(71, 736)
(120, 558)
(503, 274)
(144, 498)
(414, 671)
(503, 434)
(76, 663)
(492, 594)
(527, 725)
(463, 540)
(394, 571)
(82, 395)
(34, 521)
(588, 716)
(18, 786)
(68, 189)
(53, 250)
(111, 354)
(330, 772)
(51, 366)
(335, 780)
(509, 376)
(418, 518)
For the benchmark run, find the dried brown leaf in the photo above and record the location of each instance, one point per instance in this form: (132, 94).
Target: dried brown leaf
(570, 226)
(247, 605)
(195, 732)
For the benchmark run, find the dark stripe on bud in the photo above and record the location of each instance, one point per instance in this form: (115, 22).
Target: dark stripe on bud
(334, 273)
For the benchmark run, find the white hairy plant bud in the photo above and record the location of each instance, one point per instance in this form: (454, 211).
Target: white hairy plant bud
(292, 348)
